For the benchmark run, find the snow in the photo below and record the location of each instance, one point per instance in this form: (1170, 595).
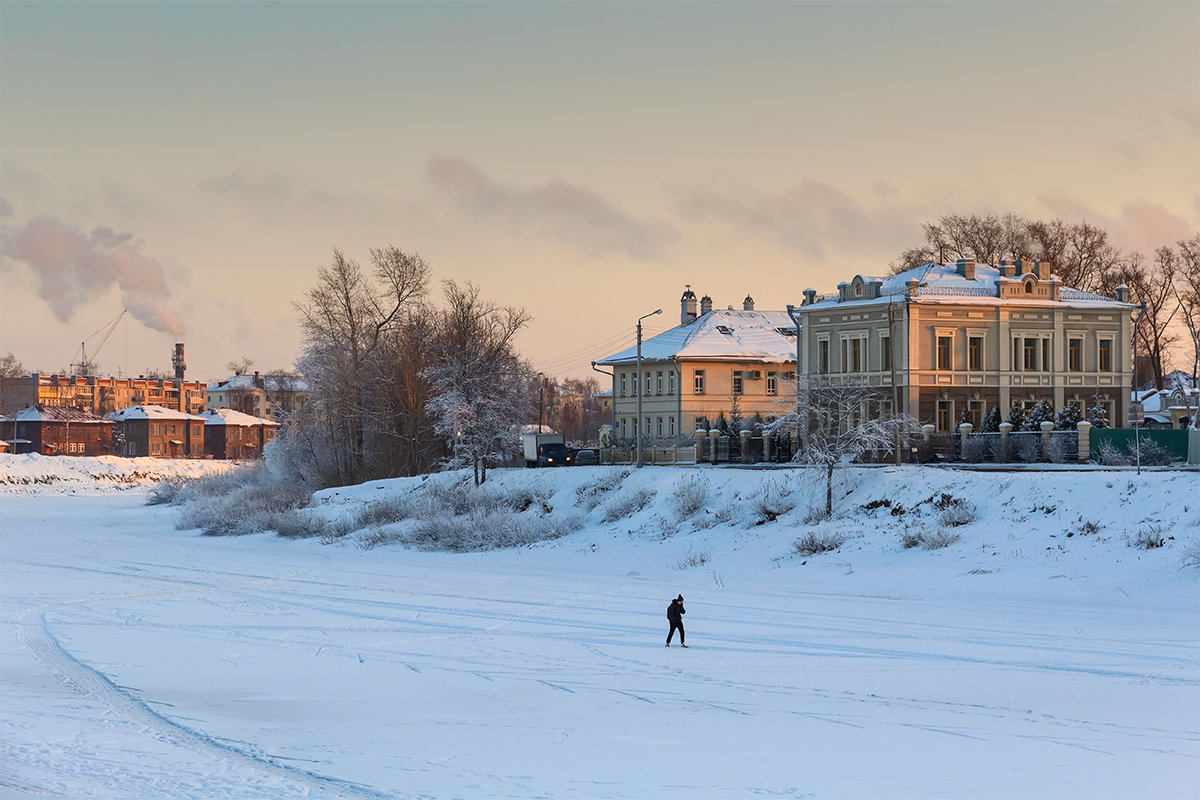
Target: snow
(752, 336)
(228, 416)
(142, 661)
(150, 412)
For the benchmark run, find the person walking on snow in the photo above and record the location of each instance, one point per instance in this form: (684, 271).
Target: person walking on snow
(675, 614)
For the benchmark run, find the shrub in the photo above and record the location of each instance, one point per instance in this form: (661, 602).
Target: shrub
(1153, 454)
(958, 512)
(486, 531)
(816, 514)
(377, 536)
(1111, 456)
(698, 559)
(386, 511)
(169, 491)
(1191, 553)
(1056, 452)
(1083, 528)
(590, 495)
(815, 542)
(688, 496)
(255, 507)
(624, 505)
(1147, 538)
(1006, 449)
(1029, 448)
(518, 498)
(775, 501)
(921, 537)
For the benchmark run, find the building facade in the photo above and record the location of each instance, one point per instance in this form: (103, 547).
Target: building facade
(234, 435)
(157, 432)
(271, 396)
(57, 430)
(100, 396)
(952, 341)
(694, 374)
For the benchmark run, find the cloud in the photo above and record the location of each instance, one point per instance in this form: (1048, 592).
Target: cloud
(813, 217)
(72, 268)
(275, 192)
(6, 209)
(1141, 225)
(1176, 131)
(571, 215)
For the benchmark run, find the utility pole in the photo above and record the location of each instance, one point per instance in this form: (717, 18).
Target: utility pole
(637, 425)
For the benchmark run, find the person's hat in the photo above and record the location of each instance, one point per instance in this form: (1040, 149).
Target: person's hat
(680, 598)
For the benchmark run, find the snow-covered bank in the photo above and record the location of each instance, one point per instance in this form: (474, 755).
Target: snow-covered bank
(142, 661)
(33, 469)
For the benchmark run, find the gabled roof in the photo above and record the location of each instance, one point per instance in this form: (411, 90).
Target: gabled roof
(272, 383)
(228, 416)
(62, 414)
(750, 336)
(150, 412)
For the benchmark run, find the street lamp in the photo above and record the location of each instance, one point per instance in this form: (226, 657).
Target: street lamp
(637, 424)
(541, 398)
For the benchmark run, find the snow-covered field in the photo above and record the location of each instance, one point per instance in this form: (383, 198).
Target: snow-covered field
(139, 661)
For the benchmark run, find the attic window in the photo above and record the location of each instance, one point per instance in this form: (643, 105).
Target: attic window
(1028, 287)
(725, 330)
(786, 331)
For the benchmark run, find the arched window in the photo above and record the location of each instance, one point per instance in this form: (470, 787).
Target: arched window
(1028, 287)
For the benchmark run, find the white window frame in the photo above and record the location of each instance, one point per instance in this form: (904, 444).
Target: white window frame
(738, 383)
(698, 382)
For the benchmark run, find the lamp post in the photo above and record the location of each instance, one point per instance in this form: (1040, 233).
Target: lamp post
(541, 398)
(637, 424)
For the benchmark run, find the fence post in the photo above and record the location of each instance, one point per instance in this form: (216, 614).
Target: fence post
(964, 432)
(1085, 429)
(713, 436)
(700, 436)
(1005, 433)
(745, 437)
(766, 448)
(1046, 426)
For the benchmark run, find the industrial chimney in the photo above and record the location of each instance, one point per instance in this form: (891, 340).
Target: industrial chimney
(178, 362)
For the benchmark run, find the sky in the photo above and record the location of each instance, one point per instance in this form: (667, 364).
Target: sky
(196, 163)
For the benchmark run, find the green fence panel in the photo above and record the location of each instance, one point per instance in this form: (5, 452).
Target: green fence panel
(1175, 442)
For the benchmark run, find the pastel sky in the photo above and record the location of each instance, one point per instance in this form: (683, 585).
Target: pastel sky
(197, 162)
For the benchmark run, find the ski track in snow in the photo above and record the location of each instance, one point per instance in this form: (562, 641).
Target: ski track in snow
(36, 635)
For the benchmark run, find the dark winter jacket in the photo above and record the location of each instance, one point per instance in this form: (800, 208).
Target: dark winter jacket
(675, 613)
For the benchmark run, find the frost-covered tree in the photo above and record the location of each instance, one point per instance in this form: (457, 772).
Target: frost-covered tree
(1016, 416)
(837, 424)
(1098, 414)
(991, 421)
(1067, 418)
(1042, 412)
(477, 379)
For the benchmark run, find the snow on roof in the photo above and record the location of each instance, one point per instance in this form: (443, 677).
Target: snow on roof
(149, 412)
(227, 416)
(753, 336)
(55, 414)
(943, 283)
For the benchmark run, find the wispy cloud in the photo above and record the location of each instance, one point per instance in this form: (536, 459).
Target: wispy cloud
(813, 218)
(278, 192)
(570, 215)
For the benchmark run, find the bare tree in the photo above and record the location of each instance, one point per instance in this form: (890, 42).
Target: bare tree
(1187, 292)
(11, 368)
(838, 423)
(1154, 285)
(240, 366)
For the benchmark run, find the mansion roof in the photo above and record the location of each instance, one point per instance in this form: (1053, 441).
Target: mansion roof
(727, 335)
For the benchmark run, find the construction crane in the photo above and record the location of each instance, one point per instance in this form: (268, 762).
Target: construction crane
(85, 365)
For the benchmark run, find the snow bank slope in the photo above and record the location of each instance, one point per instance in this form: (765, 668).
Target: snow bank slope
(34, 469)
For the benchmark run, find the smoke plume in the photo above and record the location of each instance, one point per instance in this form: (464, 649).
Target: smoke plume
(73, 267)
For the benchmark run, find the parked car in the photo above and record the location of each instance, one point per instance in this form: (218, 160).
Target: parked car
(585, 458)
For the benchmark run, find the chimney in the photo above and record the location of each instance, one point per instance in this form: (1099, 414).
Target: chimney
(748, 303)
(1006, 267)
(178, 362)
(966, 268)
(687, 306)
(258, 381)
(705, 305)
(1122, 294)
(1025, 267)
(1043, 270)
(810, 297)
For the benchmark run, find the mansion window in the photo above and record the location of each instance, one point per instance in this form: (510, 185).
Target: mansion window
(1106, 359)
(698, 382)
(660, 426)
(1029, 354)
(671, 382)
(943, 352)
(885, 348)
(659, 382)
(623, 376)
(738, 383)
(646, 391)
(823, 356)
(975, 413)
(1075, 355)
(856, 355)
(772, 383)
(975, 353)
(944, 411)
